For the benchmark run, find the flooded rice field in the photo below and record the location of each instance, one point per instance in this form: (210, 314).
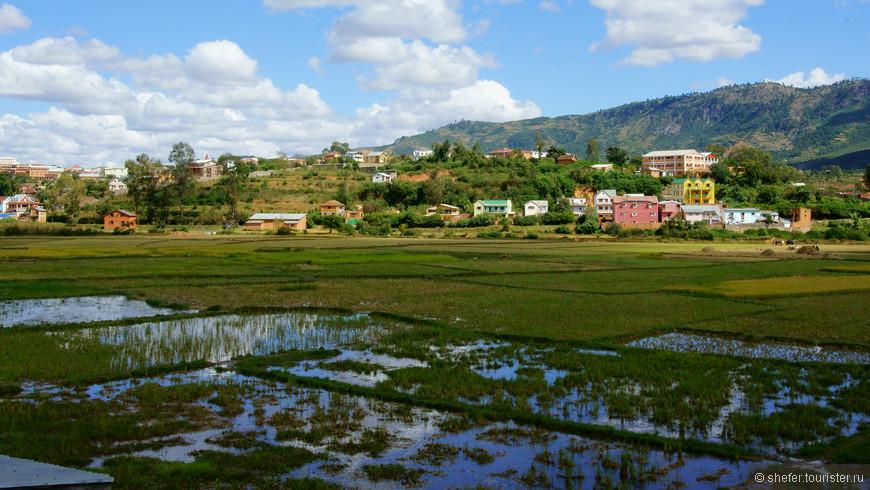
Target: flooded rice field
(362, 401)
(705, 344)
(28, 312)
(220, 338)
(361, 442)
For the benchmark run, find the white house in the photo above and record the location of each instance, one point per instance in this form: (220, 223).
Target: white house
(577, 204)
(742, 216)
(418, 154)
(705, 213)
(603, 202)
(536, 208)
(117, 186)
(502, 207)
(120, 172)
(381, 177)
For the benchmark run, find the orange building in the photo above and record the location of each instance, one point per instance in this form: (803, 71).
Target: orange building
(332, 208)
(119, 218)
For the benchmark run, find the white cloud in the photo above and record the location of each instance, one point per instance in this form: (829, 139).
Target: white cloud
(420, 109)
(816, 78)
(662, 31)
(106, 108)
(401, 64)
(221, 62)
(549, 6)
(12, 19)
(314, 62)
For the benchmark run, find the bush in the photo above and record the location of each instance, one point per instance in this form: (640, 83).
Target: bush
(563, 230)
(613, 229)
(489, 234)
(552, 218)
(283, 230)
(531, 236)
(411, 232)
(526, 221)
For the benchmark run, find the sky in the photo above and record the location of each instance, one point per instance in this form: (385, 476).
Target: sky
(97, 82)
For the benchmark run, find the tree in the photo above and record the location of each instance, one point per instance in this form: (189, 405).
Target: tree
(66, 193)
(338, 147)
(867, 177)
(717, 149)
(7, 185)
(441, 151)
(234, 172)
(539, 145)
(182, 157)
(720, 172)
(592, 150)
(333, 222)
(616, 155)
(555, 152)
(144, 186)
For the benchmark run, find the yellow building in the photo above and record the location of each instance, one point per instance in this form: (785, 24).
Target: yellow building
(691, 191)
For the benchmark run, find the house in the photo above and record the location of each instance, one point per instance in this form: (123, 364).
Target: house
(669, 209)
(576, 204)
(382, 177)
(636, 211)
(418, 154)
(677, 162)
(535, 208)
(117, 186)
(709, 214)
(508, 153)
(801, 219)
(353, 215)
(119, 172)
(773, 215)
(502, 207)
(375, 157)
(119, 218)
(710, 158)
(332, 208)
(566, 159)
(651, 171)
(18, 204)
(206, 169)
(691, 191)
(600, 167)
(359, 156)
(445, 211)
(603, 202)
(331, 157)
(742, 216)
(271, 221)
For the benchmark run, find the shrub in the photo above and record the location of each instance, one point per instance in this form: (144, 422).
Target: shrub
(563, 230)
(613, 229)
(552, 218)
(526, 221)
(411, 232)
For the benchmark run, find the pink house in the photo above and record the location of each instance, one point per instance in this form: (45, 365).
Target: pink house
(668, 209)
(635, 209)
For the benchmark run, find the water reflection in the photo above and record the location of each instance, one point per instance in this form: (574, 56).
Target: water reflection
(703, 344)
(221, 338)
(27, 312)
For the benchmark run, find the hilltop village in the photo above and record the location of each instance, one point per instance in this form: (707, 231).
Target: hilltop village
(719, 192)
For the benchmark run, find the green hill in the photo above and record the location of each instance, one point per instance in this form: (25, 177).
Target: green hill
(805, 127)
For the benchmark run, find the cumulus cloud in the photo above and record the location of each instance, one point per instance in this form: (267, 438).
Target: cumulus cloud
(816, 78)
(221, 62)
(663, 31)
(12, 19)
(106, 107)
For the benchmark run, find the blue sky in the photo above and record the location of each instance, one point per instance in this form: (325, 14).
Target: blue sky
(99, 81)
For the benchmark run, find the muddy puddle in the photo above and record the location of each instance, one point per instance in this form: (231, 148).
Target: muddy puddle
(367, 443)
(703, 344)
(29, 312)
(221, 338)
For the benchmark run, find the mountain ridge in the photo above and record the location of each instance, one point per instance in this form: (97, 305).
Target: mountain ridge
(805, 127)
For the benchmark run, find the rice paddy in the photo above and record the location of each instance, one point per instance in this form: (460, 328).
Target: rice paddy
(392, 362)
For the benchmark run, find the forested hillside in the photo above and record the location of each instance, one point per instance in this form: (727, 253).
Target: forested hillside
(805, 127)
